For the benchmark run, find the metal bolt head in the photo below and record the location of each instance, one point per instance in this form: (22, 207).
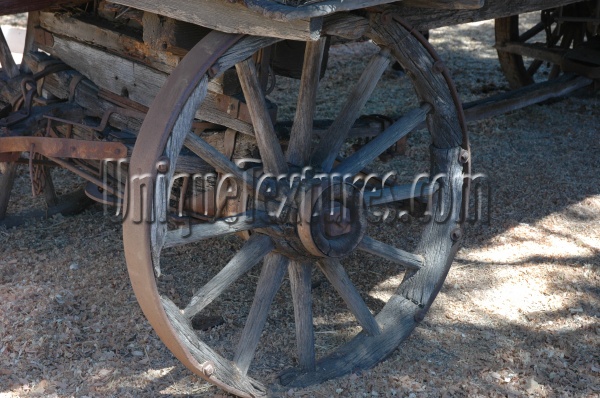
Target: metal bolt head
(419, 316)
(208, 368)
(456, 234)
(438, 66)
(163, 164)
(464, 156)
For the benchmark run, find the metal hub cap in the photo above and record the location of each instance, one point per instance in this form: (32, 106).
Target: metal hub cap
(332, 220)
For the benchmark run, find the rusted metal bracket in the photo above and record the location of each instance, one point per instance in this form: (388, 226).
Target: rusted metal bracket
(24, 103)
(51, 147)
(105, 118)
(238, 109)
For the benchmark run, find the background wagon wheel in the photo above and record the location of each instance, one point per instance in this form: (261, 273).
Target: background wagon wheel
(557, 29)
(297, 238)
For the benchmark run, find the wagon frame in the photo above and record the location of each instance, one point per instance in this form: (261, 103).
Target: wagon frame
(152, 93)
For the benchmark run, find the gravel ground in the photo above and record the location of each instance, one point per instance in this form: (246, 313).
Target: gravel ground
(519, 314)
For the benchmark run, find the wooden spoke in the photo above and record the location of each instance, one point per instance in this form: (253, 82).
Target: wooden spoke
(339, 279)
(369, 152)
(332, 142)
(216, 159)
(6, 59)
(271, 276)
(300, 283)
(539, 27)
(221, 227)
(298, 152)
(249, 255)
(420, 190)
(268, 143)
(383, 250)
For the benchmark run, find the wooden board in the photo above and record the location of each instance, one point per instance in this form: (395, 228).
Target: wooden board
(112, 40)
(228, 17)
(133, 80)
(426, 18)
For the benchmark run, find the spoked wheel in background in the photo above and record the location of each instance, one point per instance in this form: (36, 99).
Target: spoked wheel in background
(562, 39)
(313, 229)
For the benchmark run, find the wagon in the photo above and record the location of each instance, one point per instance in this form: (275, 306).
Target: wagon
(169, 110)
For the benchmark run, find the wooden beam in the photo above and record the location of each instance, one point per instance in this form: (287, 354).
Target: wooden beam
(522, 97)
(130, 79)
(110, 39)
(230, 17)
(426, 18)
(85, 93)
(446, 4)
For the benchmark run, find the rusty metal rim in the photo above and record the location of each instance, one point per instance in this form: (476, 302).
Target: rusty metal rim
(151, 142)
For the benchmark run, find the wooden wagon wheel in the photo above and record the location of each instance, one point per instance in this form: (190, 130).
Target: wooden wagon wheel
(535, 53)
(300, 241)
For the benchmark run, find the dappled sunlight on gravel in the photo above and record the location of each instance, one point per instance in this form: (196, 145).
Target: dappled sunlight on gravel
(519, 314)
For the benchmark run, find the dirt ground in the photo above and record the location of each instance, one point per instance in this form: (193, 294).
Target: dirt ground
(519, 314)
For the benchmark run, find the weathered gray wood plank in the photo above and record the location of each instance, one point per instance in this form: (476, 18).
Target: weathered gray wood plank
(133, 80)
(336, 274)
(85, 93)
(300, 274)
(298, 152)
(227, 17)
(271, 276)
(350, 27)
(247, 257)
(390, 253)
(446, 4)
(525, 96)
(64, 24)
(426, 18)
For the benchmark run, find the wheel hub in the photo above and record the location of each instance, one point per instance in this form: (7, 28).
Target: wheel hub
(332, 220)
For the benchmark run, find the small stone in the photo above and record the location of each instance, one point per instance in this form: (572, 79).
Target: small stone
(532, 386)
(339, 390)
(74, 266)
(137, 353)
